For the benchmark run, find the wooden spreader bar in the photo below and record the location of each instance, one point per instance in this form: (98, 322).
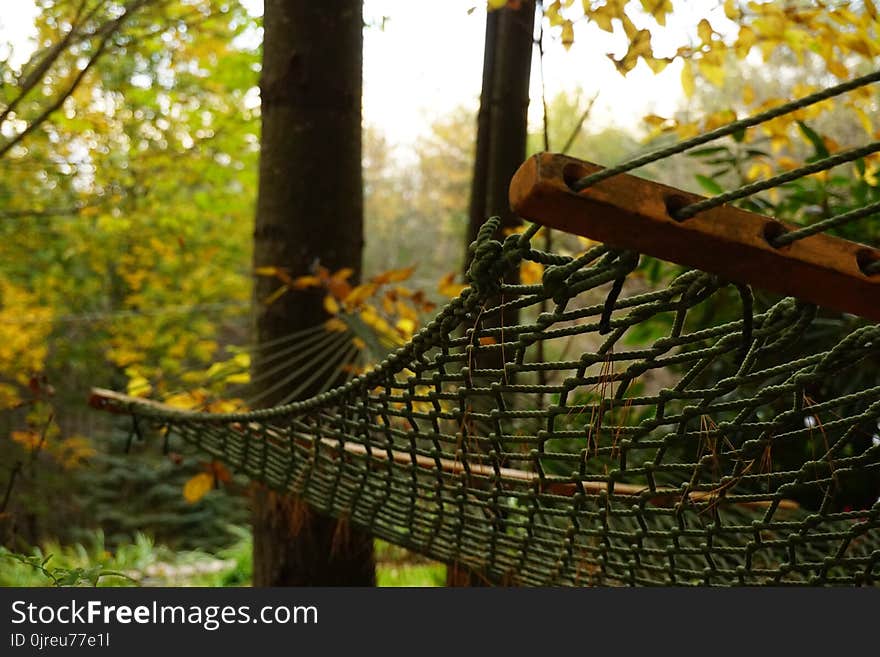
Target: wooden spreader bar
(635, 214)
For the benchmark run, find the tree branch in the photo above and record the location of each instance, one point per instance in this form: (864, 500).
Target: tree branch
(113, 27)
(39, 71)
(580, 124)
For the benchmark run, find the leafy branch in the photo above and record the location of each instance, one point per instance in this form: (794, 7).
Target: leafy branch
(108, 31)
(58, 576)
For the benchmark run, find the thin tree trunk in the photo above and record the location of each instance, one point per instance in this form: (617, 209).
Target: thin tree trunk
(310, 210)
(502, 121)
(501, 148)
(477, 207)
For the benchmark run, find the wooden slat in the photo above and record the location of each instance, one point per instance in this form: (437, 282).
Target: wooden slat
(115, 402)
(632, 213)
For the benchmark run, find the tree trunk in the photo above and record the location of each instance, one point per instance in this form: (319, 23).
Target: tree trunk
(502, 121)
(309, 210)
(501, 148)
(477, 206)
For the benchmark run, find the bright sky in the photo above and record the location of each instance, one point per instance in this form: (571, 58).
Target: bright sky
(428, 60)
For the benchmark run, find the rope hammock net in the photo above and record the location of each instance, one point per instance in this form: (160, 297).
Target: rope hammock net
(539, 436)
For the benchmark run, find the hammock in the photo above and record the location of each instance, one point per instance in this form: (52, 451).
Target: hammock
(738, 451)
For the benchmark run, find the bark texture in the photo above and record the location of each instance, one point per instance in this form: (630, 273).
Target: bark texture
(309, 211)
(502, 120)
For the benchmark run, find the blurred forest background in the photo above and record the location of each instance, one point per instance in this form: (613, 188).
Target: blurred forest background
(129, 148)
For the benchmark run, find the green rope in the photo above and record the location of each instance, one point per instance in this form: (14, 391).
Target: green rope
(665, 453)
(826, 224)
(692, 434)
(759, 186)
(729, 129)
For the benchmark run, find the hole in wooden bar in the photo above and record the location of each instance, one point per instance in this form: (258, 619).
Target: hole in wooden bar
(572, 173)
(869, 262)
(773, 230)
(674, 203)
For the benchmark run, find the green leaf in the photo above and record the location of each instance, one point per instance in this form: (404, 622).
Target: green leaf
(710, 150)
(819, 149)
(709, 185)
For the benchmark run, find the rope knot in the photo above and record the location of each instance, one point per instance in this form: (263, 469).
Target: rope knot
(483, 273)
(554, 279)
(492, 259)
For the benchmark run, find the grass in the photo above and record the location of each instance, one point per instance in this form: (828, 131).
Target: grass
(411, 575)
(143, 563)
(396, 566)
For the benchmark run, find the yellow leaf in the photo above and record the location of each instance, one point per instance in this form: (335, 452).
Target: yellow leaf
(375, 321)
(686, 130)
(759, 170)
(9, 397)
(138, 386)
(687, 79)
(394, 275)
(658, 9)
(197, 487)
(72, 451)
(342, 275)
(303, 282)
(731, 10)
(406, 326)
(601, 15)
(657, 64)
(586, 242)
(771, 24)
(335, 325)
(531, 273)
(705, 31)
(359, 294)
(629, 28)
(711, 70)
(836, 68)
(330, 305)
(337, 284)
(654, 120)
(266, 271)
(640, 46)
(223, 406)
(552, 13)
(186, 400)
(448, 287)
(830, 144)
(718, 119)
(406, 311)
(859, 43)
(567, 34)
(27, 439)
(496, 4)
(744, 41)
(864, 119)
